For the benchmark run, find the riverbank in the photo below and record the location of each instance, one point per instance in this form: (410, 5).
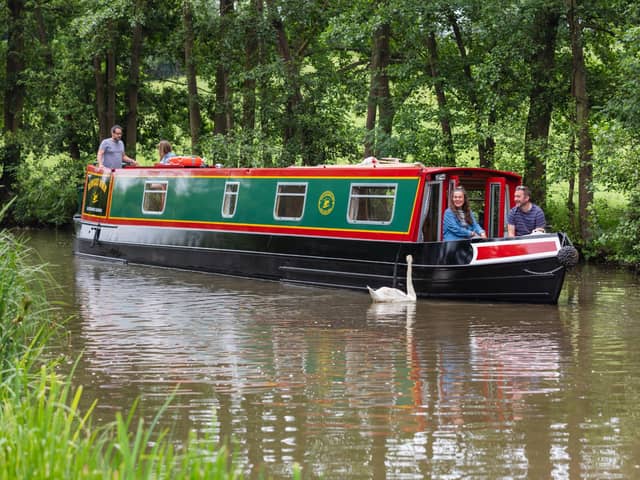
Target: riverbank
(43, 433)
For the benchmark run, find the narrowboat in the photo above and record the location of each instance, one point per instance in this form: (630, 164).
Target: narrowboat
(346, 226)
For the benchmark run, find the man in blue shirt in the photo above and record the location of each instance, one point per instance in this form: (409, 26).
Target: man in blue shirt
(525, 217)
(111, 151)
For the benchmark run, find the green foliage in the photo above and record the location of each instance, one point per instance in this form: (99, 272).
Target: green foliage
(21, 302)
(619, 241)
(616, 226)
(48, 190)
(558, 217)
(305, 69)
(240, 149)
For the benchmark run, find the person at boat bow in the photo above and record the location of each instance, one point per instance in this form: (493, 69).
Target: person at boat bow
(459, 221)
(111, 151)
(526, 217)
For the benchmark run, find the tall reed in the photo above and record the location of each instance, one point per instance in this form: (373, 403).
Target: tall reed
(43, 433)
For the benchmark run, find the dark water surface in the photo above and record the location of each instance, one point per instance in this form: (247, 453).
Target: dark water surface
(350, 390)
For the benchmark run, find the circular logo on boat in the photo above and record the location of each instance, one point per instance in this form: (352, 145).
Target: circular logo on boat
(326, 202)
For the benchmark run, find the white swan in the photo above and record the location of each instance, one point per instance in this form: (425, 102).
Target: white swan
(393, 295)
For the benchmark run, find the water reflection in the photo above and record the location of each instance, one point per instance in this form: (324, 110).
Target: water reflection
(316, 376)
(354, 390)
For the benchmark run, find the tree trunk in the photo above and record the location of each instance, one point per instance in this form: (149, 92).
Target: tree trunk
(486, 144)
(372, 105)
(571, 206)
(15, 64)
(71, 137)
(222, 120)
(111, 88)
(14, 97)
(42, 36)
(379, 102)
(545, 28)
(195, 119)
(443, 112)
(101, 97)
(585, 146)
(262, 90)
(137, 39)
(252, 57)
(294, 99)
(70, 132)
(385, 102)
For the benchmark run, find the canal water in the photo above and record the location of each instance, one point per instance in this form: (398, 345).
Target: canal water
(351, 390)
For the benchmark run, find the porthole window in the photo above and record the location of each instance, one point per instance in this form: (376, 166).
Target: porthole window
(230, 200)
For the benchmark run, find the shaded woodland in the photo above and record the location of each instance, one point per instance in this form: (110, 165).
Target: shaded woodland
(544, 88)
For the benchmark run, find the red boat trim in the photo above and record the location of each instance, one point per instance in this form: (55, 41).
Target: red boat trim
(354, 233)
(296, 172)
(263, 229)
(523, 248)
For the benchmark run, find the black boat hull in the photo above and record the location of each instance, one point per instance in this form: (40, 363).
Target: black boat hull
(440, 269)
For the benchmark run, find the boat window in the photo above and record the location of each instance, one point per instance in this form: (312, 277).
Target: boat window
(290, 199)
(431, 227)
(476, 203)
(494, 210)
(155, 197)
(507, 207)
(371, 203)
(230, 199)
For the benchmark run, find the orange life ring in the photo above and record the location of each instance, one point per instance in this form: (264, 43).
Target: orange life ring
(186, 161)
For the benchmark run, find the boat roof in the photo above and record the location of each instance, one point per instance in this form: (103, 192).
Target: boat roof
(396, 163)
(390, 166)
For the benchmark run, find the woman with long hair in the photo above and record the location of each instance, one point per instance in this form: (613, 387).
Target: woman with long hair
(165, 151)
(459, 221)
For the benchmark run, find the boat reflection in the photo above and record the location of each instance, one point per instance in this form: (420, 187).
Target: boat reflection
(318, 376)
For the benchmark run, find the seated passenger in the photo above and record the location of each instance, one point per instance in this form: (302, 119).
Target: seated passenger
(165, 152)
(459, 222)
(526, 217)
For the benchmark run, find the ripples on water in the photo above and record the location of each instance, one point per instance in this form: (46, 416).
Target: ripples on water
(354, 390)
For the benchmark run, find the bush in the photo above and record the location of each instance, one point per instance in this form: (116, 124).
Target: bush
(48, 190)
(621, 242)
(616, 226)
(558, 217)
(21, 303)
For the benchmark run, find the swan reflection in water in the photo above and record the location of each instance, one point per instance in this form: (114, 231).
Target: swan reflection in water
(392, 312)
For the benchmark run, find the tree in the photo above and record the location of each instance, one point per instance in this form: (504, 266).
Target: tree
(541, 99)
(14, 97)
(195, 119)
(443, 109)
(223, 120)
(380, 101)
(252, 49)
(486, 143)
(133, 87)
(291, 72)
(585, 145)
